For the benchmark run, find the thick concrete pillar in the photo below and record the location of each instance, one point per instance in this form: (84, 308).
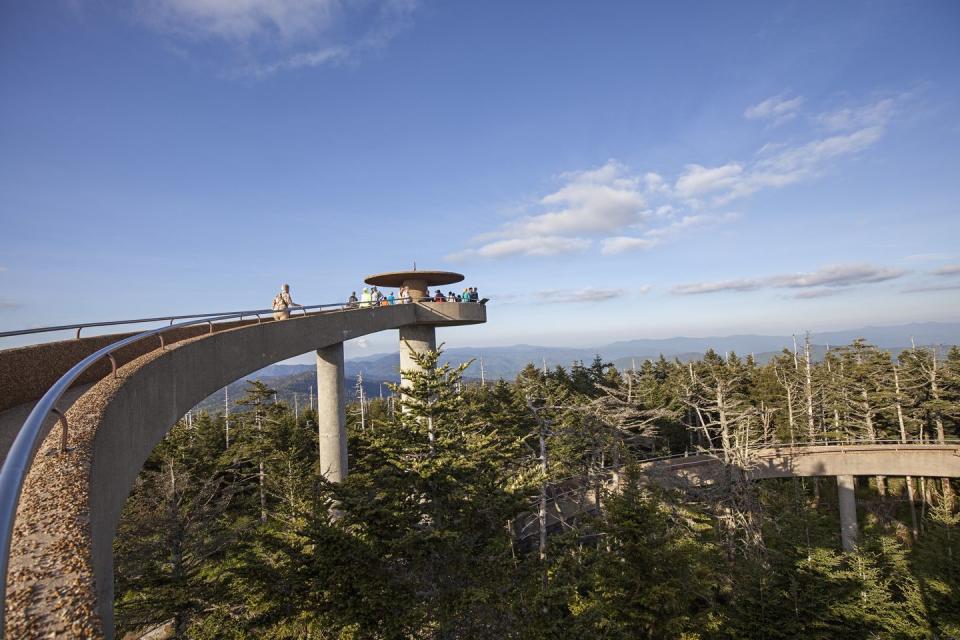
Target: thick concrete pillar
(849, 531)
(418, 289)
(331, 413)
(416, 338)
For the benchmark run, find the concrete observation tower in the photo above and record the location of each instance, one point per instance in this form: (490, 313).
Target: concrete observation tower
(418, 335)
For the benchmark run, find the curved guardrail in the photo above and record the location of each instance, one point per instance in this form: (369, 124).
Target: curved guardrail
(115, 323)
(32, 433)
(556, 490)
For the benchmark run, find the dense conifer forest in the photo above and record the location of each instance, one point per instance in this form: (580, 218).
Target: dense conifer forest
(441, 529)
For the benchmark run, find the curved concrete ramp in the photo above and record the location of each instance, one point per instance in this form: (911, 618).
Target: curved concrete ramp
(928, 460)
(61, 564)
(686, 472)
(27, 372)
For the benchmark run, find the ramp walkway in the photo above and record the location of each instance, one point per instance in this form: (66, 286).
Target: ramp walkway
(62, 486)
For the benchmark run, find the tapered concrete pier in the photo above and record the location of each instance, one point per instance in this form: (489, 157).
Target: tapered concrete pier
(331, 412)
(413, 340)
(849, 531)
(421, 337)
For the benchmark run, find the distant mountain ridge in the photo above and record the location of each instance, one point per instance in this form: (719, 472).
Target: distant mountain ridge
(507, 361)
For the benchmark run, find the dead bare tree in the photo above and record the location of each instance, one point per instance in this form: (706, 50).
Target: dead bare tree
(715, 394)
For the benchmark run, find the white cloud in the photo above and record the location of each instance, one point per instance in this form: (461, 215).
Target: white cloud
(588, 294)
(871, 115)
(622, 210)
(596, 200)
(241, 19)
(316, 58)
(777, 109)
(527, 246)
(654, 183)
(655, 236)
(569, 296)
(712, 287)
(276, 35)
(788, 165)
(619, 244)
(822, 281)
(689, 222)
(697, 180)
(804, 160)
(842, 275)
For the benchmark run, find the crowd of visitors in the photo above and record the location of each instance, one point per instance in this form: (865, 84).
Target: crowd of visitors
(373, 297)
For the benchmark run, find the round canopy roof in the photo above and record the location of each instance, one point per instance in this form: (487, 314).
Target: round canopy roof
(397, 278)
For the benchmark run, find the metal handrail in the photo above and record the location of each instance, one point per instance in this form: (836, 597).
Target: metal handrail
(32, 433)
(112, 323)
(776, 445)
(604, 473)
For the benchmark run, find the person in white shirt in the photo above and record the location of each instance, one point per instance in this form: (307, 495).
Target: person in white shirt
(282, 303)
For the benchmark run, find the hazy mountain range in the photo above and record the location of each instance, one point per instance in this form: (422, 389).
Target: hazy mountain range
(506, 362)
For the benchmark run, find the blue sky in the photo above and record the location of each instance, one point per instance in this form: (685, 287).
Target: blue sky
(601, 170)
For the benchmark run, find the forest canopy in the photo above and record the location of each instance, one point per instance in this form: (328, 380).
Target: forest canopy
(521, 509)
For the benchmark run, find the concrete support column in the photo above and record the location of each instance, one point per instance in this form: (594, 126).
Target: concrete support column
(418, 289)
(417, 338)
(331, 413)
(849, 531)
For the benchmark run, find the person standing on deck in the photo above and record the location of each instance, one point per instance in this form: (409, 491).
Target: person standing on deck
(282, 303)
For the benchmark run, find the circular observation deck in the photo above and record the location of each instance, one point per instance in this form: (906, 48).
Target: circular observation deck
(401, 278)
(419, 282)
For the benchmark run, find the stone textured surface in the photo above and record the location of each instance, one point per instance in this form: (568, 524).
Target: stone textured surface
(12, 419)
(27, 372)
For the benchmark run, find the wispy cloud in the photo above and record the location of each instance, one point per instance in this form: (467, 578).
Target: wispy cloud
(263, 37)
(569, 296)
(786, 166)
(875, 114)
(608, 203)
(658, 235)
(948, 270)
(698, 180)
(945, 287)
(743, 284)
(588, 294)
(527, 246)
(620, 244)
(619, 209)
(822, 282)
(775, 109)
(597, 200)
(817, 293)
(843, 275)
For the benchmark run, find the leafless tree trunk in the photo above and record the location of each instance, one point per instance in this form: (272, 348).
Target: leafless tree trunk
(784, 381)
(262, 474)
(872, 436)
(946, 489)
(903, 438)
(808, 391)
